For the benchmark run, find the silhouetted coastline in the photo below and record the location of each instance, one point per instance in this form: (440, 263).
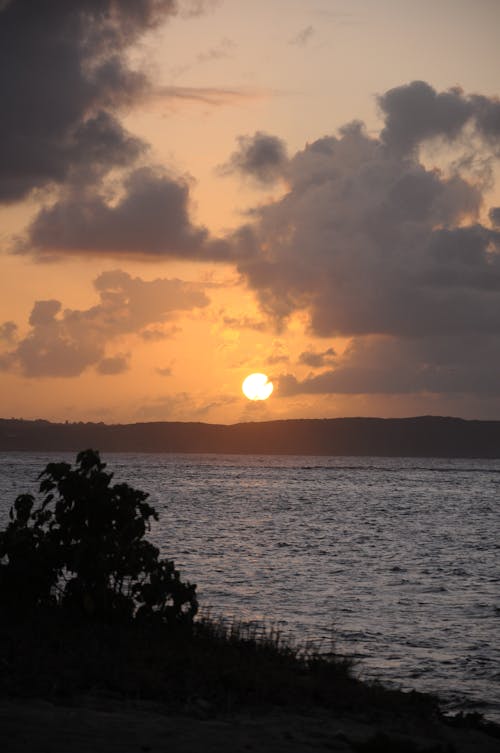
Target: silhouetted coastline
(424, 436)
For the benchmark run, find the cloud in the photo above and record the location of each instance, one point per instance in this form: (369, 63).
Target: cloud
(416, 112)
(371, 243)
(207, 95)
(244, 322)
(494, 215)
(8, 331)
(459, 365)
(156, 334)
(149, 218)
(165, 372)
(64, 343)
(194, 8)
(303, 36)
(64, 76)
(275, 358)
(261, 156)
(317, 360)
(113, 364)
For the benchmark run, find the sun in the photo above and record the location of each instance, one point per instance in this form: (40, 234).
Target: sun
(257, 387)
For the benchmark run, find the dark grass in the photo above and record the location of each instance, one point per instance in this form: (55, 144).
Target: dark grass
(218, 666)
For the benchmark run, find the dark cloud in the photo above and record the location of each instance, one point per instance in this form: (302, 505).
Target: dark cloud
(44, 312)
(416, 112)
(494, 215)
(151, 217)
(459, 365)
(8, 331)
(317, 359)
(65, 342)
(487, 116)
(113, 365)
(261, 156)
(63, 76)
(371, 243)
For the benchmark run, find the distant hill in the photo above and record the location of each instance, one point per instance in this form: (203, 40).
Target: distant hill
(425, 436)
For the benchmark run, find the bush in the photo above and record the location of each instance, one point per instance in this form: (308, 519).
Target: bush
(83, 550)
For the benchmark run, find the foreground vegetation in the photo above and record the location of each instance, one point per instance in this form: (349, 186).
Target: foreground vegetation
(216, 666)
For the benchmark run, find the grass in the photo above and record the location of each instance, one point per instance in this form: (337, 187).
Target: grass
(221, 665)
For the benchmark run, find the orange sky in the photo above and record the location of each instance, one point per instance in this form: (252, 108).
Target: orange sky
(182, 205)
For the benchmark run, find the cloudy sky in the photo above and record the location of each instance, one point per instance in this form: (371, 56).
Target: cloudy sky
(192, 191)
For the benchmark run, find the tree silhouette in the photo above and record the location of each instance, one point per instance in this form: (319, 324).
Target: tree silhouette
(84, 550)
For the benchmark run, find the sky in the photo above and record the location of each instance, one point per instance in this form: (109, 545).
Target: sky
(193, 191)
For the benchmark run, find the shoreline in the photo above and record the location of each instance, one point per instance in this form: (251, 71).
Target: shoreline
(109, 725)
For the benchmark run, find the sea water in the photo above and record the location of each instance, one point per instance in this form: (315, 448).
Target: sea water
(395, 560)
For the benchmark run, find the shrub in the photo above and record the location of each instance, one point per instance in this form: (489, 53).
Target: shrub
(83, 550)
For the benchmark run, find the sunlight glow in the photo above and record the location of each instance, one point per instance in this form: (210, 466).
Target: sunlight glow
(257, 387)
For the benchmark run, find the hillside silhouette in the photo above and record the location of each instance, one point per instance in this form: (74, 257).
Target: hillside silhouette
(424, 436)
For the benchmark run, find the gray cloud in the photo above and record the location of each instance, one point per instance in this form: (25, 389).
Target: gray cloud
(8, 331)
(63, 76)
(65, 342)
(317, 359)
(44, 312)
(458, 365)
(150, 218)
(261, 156)
(113, 365)
(370, 243)
(416, 112)
(494, 215)
(487, 116)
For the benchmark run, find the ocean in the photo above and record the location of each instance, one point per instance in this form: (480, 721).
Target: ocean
(393, 561)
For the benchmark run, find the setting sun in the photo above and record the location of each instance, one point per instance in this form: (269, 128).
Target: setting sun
(257, 387)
